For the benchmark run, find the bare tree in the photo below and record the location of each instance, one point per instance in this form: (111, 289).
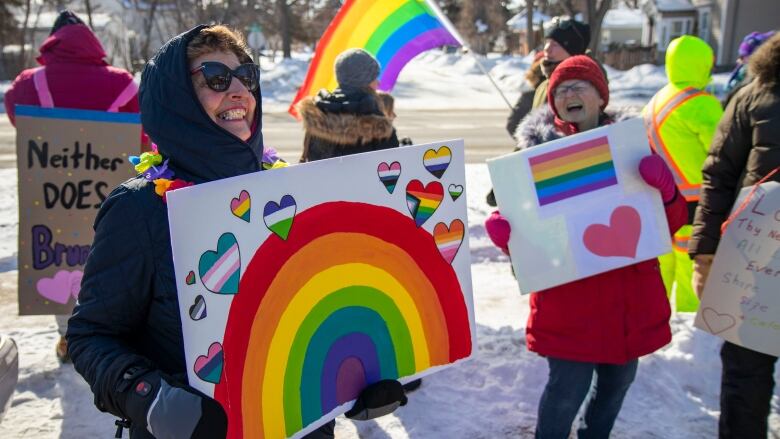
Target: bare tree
(88, 7)
(595, 12)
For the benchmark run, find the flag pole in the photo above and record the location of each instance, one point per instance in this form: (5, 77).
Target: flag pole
(451, 29)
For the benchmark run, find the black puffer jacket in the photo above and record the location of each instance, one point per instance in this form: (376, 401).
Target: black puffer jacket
(128, 313)
(746, 147)
(346, 122)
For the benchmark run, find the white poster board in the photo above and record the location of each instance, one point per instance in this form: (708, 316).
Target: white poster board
(300, 286)
(741, 299)
(578, 206)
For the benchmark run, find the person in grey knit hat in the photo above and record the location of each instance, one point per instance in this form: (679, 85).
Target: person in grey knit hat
(356, 68)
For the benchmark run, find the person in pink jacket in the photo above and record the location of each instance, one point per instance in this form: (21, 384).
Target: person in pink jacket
(72, 74)
(602, 323)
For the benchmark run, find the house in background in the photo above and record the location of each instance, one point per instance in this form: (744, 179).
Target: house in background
(724, 23)
(622, 26)
(517, 27)
(721, 23)
(667, 20)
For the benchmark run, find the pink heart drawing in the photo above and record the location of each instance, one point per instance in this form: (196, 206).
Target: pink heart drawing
(61, 287)
(619, 238)
(717, 322)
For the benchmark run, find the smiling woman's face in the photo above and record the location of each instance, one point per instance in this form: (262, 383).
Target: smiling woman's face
(233, 109)
(578, 102)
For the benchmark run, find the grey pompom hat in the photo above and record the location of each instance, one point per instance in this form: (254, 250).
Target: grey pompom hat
(356, 68)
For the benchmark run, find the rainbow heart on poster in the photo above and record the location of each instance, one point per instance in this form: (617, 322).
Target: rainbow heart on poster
(389, 174)
(448, 239)
(279, 217)
(220, 270)
(455, 191)
(241, 207)
(356, 295)
(423, 201)
(436, 162)
(209, 367)
(190, 279)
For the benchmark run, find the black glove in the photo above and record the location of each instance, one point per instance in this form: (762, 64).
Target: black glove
(169, 410)
(378, 399)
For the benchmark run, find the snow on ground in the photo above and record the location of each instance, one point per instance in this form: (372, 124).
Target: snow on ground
(493, 395)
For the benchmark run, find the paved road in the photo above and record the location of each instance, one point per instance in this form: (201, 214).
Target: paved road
(483, 131)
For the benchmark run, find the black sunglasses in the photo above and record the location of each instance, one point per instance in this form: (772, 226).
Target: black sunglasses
(219, 76)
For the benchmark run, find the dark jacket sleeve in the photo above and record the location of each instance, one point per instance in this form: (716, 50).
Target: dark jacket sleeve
(113, 302)
(721, 175)
(521, 108)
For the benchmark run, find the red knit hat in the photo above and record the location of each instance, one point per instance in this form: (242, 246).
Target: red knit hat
(578, 67)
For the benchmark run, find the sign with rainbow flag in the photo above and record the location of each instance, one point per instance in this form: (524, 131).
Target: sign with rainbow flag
(394, 31)
(578, 207)
(300, 286)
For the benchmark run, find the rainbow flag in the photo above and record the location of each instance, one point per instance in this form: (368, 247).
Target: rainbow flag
(394, 31)
(574, 170)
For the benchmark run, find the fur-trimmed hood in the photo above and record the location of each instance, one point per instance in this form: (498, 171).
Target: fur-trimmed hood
(347, 128)
(765, 61)
(539, 126)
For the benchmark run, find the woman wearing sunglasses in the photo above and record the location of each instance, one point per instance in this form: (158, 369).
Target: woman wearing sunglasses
(200, 103)
(603, 323)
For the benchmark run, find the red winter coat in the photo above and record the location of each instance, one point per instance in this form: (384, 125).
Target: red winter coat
(76, 76)
(612, 317)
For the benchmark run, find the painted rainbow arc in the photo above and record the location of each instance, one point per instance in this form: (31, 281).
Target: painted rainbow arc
(394, 31)
(386, 305)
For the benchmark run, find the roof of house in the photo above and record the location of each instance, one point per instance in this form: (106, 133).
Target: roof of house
(623, 18)
(518, 22)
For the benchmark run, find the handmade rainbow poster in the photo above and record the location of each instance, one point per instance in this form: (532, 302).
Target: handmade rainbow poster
(578, 207)
(740, 301)
(300, 286)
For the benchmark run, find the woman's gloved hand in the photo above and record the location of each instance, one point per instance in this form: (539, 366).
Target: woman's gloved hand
(170, 410)
(498, 230)
(378, 399)
(657, 174)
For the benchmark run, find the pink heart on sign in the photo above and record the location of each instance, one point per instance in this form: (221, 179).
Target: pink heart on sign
(619, 238)
(61, 287)
(717, 322)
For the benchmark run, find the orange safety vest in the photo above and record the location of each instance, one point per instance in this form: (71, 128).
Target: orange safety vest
(654, 120)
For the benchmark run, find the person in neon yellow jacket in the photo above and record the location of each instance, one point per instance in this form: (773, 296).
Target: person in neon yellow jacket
(681, 120)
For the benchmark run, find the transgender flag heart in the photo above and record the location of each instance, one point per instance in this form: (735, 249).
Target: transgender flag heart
(279, 217)
(448, 239)
(220, 270)
(389, 174)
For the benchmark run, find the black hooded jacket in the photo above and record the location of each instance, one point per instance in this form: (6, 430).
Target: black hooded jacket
(127, 314)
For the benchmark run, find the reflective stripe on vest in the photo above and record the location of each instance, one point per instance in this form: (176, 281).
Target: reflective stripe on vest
(46, 101)
(653, 122)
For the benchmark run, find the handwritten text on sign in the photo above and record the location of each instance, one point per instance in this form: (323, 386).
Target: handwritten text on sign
(68, 163)
(741, 300)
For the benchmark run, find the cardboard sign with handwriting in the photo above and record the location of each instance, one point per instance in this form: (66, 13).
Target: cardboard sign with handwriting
(741, 299)
(68, 162)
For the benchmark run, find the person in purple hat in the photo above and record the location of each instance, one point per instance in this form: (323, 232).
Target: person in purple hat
(746, 48)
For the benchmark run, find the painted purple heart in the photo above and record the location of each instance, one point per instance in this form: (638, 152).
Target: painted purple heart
(61, 287)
